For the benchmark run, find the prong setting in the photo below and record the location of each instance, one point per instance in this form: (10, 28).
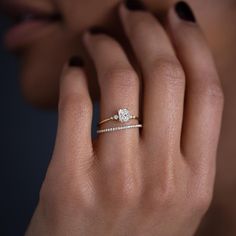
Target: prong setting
(124, 115)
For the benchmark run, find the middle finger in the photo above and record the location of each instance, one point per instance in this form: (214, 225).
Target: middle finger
(164, 81)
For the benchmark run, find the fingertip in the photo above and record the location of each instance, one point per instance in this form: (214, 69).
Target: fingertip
(75, 61)
(180, 14)
(73, 74)
(123, 11)
(184, 30)
(86, 37)
(184, 12)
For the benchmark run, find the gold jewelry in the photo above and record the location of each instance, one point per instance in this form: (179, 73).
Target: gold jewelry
(123, 116)
(119, 128)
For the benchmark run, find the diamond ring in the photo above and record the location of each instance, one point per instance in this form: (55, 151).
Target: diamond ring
(123, 116)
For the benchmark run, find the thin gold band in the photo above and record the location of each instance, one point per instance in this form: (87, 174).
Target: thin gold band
(120, 128)
(112, 118)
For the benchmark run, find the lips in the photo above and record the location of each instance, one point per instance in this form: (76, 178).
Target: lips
(28, 24)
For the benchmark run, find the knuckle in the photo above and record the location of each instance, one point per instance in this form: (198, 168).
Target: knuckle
(208, 87)
(213, 90)
(121, 78)
(138, 23)
(48, 197)
(127, 197)
(44, 193)
(136, 26)
(58, 197)
(75, 105)
(124, 194)
(202, 201)
(157, 197)
(169, 71)
(200, 195)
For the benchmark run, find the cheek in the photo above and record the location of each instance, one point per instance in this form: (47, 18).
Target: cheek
(218, 25)
(80, 14)
(159, 5)
(41, 67)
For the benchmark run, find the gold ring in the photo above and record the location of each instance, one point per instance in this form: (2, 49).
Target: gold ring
(113, 129)
(123, 116)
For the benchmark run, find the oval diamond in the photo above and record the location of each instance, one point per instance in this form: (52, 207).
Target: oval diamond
(124, 115)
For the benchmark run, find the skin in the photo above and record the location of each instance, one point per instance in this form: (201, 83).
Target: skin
(40, 86)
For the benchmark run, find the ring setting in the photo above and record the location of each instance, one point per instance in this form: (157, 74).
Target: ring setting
(123, 115)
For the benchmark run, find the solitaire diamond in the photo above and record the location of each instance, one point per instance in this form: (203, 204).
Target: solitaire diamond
(124, 115)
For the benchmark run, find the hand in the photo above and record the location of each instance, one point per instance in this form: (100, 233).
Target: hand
(154, 181)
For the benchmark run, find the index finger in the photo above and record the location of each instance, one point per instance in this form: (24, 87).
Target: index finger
(74, 140)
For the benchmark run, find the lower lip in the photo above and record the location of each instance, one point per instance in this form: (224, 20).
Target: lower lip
(24, 33)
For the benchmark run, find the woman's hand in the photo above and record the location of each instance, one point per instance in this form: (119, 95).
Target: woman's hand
(154, 181)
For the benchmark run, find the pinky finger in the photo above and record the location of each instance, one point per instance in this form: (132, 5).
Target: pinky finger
(204, 96)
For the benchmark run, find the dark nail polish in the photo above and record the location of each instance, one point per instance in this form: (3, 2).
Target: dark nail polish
(184, 12)
(135, 5)
(98, 30)
(76, 61)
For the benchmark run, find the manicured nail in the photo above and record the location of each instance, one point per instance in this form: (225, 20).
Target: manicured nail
(98, 30)
(135, 5)
(184, 12)
(76, 61)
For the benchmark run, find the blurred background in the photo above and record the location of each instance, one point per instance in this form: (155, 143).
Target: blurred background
(26, 143)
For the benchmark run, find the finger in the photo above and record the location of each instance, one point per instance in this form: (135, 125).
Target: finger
(119, 86)
(74, 142)
(204, 97)
(163, 77)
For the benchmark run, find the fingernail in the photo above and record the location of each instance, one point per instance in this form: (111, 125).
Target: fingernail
(98, 30)
(76, 61)
(135, 5)
(184, 12)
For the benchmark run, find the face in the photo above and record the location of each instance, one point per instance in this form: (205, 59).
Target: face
(49, 32)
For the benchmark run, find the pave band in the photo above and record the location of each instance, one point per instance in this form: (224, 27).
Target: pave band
(119, 128)
(123, 115)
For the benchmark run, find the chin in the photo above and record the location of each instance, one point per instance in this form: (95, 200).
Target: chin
(41, 90)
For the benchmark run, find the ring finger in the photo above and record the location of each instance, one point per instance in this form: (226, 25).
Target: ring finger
(119, 85)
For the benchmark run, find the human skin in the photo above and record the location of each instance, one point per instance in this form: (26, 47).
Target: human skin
(40, 85)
